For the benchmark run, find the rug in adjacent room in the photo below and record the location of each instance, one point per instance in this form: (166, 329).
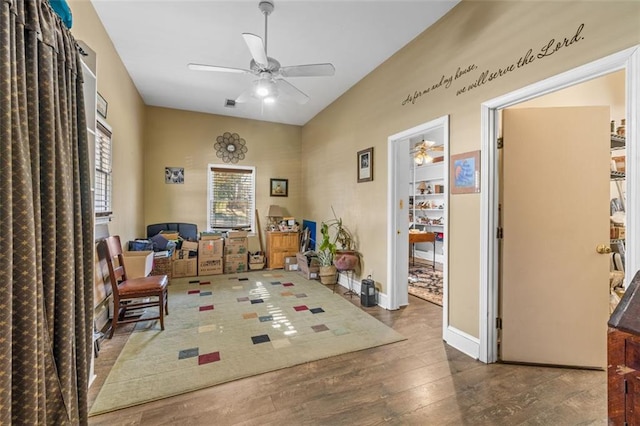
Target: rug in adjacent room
(225, 327)
(425, 283)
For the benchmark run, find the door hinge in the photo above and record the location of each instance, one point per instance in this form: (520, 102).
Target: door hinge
(500, 143)
(499, 233)
(499, 323)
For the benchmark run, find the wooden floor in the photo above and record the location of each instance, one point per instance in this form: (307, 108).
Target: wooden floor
(419, 381)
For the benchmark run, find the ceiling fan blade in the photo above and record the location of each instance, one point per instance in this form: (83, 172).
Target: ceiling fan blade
(256, 48)
(202, 67)
(436, 148)
(311, 70)
(291, 91)
(246, 96)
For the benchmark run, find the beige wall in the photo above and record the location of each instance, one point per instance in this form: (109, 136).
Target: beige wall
(125, 114)
(486, 36)
(175, 138)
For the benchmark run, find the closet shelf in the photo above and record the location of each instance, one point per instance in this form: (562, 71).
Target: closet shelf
(617, 175)
(617, 142)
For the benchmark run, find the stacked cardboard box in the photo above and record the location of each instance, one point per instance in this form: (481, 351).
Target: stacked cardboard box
(138, 263)
(185, 260)
(236, 252)
(210, 249)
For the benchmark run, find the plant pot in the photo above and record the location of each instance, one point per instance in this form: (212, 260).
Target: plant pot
(346, 260)
(328, 275)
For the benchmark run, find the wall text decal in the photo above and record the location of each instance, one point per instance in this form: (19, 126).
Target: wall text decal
(489, 75)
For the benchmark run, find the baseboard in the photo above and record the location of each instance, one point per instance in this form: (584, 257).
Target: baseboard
(382, 298)
(462, 341)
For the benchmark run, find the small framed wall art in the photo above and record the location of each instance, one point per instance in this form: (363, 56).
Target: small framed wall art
(174, 175)
(101, 106)
(365, 165)
(279, 187)
(464, 173)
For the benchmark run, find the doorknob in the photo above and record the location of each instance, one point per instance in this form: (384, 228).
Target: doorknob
(603, 249)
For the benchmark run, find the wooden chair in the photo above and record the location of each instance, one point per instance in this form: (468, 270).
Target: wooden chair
(133, 293)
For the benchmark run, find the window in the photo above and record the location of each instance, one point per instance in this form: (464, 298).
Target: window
(103, 176)
(231, 201)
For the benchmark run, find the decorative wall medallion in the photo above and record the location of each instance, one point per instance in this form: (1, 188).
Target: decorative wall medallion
(230, 147)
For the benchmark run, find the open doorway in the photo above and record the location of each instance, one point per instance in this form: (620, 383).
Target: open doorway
(404, 149)
(490, 199)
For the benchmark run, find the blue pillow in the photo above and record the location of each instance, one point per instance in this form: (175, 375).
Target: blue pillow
(159, 242)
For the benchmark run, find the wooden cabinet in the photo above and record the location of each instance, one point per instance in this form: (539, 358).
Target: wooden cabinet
(281, 245)
(623, 349)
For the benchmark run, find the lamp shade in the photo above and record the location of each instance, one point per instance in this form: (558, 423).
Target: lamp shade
(422, 186)
(275, 211)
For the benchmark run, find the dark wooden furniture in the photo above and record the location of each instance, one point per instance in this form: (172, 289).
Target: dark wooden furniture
(422, 237)
(623, 366)
(133, 293)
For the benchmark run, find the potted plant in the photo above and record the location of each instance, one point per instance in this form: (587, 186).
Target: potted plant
(336, 251)
(325, 254)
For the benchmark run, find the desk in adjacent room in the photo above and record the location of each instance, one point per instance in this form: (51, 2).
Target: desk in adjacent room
(422, 237)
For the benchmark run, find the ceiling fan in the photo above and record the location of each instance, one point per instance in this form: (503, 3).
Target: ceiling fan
(421, 151)
(270, 83)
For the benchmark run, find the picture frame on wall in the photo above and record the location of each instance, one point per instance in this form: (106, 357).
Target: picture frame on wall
(464, 173)
(279, 187)
(365, 165)
(174, 175)
(101, 106)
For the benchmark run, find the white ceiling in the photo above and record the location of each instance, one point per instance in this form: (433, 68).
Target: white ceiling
(156, 39)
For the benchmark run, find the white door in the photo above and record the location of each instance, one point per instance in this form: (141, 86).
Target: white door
(555, 211)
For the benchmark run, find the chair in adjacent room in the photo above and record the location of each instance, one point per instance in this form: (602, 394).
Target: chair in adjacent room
(133, 293)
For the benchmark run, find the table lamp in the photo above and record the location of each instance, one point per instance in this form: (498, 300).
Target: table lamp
(273, 214)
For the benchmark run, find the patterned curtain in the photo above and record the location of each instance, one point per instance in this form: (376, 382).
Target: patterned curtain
(46, 221)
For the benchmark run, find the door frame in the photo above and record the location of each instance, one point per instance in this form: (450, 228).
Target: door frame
(628, 60)
(398, 184)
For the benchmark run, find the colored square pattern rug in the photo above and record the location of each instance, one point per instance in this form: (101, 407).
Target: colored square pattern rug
(225, 327)
(425, 283)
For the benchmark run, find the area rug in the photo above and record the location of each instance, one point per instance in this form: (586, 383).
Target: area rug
(225, 327)
(425, 283)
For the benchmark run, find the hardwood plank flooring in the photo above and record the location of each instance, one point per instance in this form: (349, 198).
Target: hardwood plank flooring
(419, 381)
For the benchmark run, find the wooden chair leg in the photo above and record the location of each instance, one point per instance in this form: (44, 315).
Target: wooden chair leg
(166, 302)
(114, 321)
(161, 309)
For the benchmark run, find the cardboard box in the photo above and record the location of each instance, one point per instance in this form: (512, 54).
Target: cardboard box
(138, 263)
(291, 260)
(210, 249)
(189, 245)
(235, 263)
(210, 266)
(291, 267)
(210, 236)
(309, 270)
(185, 268)
(239, 241)
(235, 249)
(237, 234)
(185, 254)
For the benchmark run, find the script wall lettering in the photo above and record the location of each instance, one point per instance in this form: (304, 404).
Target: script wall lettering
(493, 73)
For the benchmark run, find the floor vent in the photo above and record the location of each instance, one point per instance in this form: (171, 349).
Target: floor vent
(230, 103)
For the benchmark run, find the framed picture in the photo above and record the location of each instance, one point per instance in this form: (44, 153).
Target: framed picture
(464, 173)
(365, 165)
(174, 175)
(279, 187)
(101, 106)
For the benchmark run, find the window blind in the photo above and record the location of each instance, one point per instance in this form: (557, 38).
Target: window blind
(232, 198)
(103, 176)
